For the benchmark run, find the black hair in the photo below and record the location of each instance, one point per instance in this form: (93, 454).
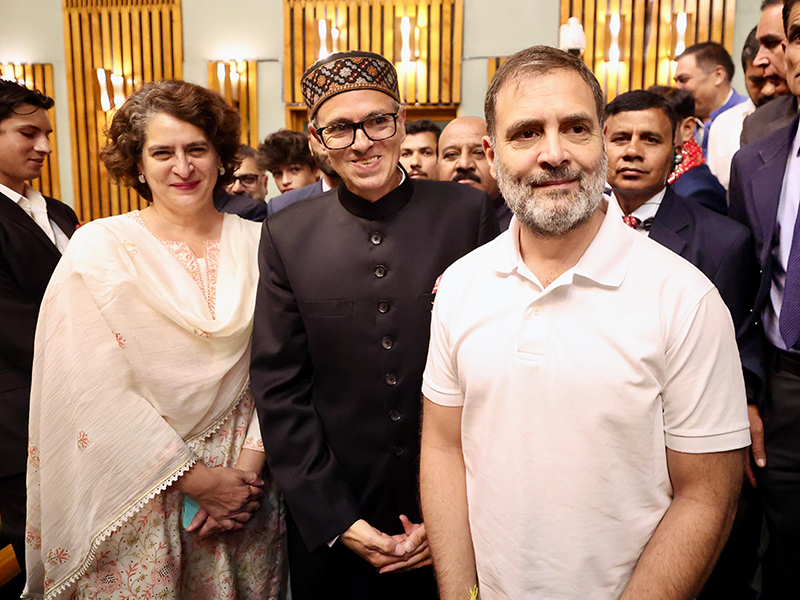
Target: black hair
(642, 100)
(13, 95)
(709, 56)
(681, 101)
(423, 126)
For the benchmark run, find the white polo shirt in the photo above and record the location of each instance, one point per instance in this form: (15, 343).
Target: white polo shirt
(571, 395)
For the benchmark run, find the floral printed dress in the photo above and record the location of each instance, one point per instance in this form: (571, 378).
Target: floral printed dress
(152, 557)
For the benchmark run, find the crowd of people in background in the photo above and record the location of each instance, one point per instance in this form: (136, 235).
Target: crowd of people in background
(592, 308)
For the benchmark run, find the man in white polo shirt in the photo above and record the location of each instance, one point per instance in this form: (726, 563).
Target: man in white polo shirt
(584, 408)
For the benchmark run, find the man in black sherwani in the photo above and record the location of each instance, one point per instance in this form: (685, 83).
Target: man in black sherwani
(341, 334)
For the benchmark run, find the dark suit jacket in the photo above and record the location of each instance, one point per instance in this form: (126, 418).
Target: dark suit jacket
(720, 247)
(774, 115)
(244, 206)
(755, 191)
(279, 202)
(27, 260)
(699, 185)
(340, 339)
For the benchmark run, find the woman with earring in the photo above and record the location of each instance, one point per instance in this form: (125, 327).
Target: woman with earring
(145, 459)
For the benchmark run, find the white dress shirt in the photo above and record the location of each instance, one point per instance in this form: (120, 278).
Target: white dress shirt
(647, 210)
(34, 204)
(787, 215)
(723, 142)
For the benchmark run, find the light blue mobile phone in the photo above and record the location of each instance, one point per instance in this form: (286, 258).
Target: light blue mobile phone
(190, 508)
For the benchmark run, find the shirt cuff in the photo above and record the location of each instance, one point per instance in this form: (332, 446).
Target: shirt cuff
(722, 442)
(442, 397)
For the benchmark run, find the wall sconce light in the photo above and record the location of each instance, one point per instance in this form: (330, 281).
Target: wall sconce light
(572, 38)
(7, 73)
(228, 76)
(112, 89)
(615, 36)
(682, 22)
(406, 39)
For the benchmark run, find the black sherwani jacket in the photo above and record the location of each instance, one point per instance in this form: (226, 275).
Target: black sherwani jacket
(340, 341)
(27, 260)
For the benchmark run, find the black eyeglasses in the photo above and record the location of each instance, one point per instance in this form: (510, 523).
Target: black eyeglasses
(246, 179)
(342, 135)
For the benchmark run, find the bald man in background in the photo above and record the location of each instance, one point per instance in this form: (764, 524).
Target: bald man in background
(463, 159)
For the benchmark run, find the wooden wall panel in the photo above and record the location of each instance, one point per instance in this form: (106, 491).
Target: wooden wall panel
(648, 29)
(434, 79)
(137, 40)
(40, 77)
(246, 98)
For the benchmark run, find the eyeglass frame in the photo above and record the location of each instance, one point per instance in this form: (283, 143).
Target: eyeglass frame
(354, 127)
(240, 178)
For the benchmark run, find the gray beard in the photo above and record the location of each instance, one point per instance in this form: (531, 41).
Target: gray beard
(557, 212)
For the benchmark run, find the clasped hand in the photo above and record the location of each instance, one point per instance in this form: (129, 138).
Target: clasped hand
(227, 497)
(395, 553)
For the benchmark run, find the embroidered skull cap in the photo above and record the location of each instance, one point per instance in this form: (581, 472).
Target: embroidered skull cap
(344, 72)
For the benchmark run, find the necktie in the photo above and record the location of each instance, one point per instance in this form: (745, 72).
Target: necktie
(631, 221)
(789, 323)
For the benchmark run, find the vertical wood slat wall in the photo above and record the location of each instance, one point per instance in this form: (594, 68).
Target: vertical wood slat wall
(433, 79)
(649, 37)
(247, 93)
(140, 40)
(40, 77)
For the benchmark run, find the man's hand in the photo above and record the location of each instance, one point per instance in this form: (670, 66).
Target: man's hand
(415, 543)
(374, 546)
(230, 496)
(756, 452)
(206, 525)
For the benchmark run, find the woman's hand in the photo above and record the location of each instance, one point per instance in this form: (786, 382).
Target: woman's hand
(229, 496)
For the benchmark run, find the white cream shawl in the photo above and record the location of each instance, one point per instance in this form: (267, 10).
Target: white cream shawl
(131, 374)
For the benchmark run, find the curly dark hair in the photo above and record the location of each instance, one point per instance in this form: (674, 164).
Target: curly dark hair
(284, 147)
(201, 107)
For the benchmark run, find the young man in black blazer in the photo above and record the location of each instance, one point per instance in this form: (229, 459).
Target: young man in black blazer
(34, 231)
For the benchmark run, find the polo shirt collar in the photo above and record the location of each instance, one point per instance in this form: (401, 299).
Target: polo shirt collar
(605, 261)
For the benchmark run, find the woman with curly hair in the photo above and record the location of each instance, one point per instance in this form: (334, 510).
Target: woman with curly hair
(145, 454)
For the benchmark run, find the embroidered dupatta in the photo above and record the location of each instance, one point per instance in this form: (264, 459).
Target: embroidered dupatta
(131, 374)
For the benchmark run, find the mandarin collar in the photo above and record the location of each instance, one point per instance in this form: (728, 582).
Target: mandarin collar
(381, 208)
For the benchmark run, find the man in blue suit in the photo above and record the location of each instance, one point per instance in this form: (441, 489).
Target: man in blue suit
(764, 195)
(639, 133)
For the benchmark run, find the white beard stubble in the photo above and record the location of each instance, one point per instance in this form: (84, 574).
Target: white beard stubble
(552, 213)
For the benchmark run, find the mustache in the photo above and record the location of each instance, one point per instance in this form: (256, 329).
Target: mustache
(461, 175)
(549, 176)
(418, 172)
